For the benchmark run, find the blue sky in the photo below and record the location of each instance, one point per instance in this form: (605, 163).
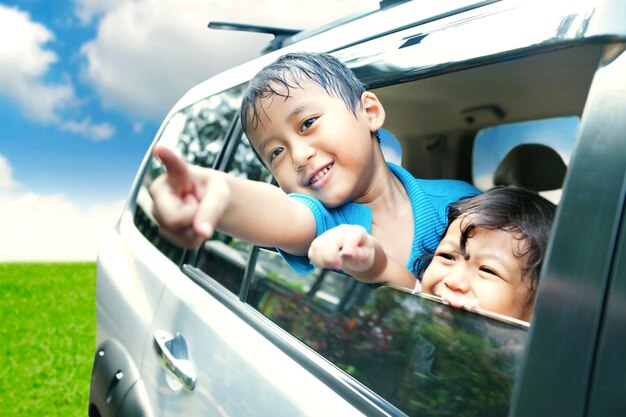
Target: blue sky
(84, 86)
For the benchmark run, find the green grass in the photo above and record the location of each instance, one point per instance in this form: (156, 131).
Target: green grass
(47, 338)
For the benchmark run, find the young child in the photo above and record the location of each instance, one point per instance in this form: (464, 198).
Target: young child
(311, 122)
(490, 256)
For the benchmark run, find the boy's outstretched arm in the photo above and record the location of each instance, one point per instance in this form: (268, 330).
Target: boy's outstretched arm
(191, 202)
(352, 249)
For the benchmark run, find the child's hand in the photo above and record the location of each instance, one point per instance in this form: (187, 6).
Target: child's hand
(461, 301)
(185, 216)
(346, 247)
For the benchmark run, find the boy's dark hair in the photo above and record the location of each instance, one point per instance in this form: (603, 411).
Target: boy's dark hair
(524, 214)
(288, 72)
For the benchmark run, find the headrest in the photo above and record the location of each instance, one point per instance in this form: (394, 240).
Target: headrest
(532, 166)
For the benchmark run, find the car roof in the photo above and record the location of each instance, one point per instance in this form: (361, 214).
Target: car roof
(336, 35)
(396, 16)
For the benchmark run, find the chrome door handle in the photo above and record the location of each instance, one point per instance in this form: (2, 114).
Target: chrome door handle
(174, 355)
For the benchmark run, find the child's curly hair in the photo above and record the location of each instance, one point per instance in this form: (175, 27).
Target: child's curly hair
(524, 214)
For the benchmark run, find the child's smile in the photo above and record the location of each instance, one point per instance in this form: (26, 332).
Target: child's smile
(323, 174)
(489, 272)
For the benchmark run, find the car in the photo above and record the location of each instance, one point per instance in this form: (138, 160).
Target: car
(510, 92)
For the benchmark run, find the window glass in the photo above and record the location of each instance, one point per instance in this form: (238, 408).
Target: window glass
(424, 357)
(532, 154)
(223, 257)
(198, 133)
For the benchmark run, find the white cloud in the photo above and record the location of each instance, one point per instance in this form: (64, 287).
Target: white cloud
(6, 176)
(86, 128)
(138, 127)
(24, 63)
(147, 53)
(87, 10)
(38, 227)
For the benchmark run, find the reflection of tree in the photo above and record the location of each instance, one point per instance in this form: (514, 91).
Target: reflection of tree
(470, 376)
(206, 125)
(244, 163)
(423, 361)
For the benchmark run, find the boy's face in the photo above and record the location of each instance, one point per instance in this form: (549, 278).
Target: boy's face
(313, 144)
(490, 273)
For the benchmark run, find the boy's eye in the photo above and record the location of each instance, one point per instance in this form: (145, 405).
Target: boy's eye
(275, 153)
(307, 123)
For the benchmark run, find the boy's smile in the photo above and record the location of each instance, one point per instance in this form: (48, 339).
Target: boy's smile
(313, 143)
(490, 272)
(317, 177)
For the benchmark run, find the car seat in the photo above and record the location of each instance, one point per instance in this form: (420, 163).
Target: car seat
(532, 166)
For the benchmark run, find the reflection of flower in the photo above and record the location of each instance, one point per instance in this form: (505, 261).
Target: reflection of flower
(423, 362)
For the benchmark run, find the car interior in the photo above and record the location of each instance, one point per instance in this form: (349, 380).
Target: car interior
(438, 119)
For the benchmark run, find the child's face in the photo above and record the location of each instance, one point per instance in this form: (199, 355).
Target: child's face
(491, 274)
(313, 144)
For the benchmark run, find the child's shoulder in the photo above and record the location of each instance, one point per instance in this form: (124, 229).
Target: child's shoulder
(433, 187)
(447, 187)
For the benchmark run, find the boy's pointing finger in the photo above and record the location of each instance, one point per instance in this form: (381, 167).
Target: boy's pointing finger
(177, 169)
(354, 238)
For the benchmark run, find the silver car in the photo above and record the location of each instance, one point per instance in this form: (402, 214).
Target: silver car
(528, 93)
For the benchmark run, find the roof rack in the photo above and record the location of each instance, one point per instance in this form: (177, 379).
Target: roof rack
(284, 36)
(280, 34)
(384, 4)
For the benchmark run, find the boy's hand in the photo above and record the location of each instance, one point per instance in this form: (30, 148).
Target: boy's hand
(182, 207)
(346, 247)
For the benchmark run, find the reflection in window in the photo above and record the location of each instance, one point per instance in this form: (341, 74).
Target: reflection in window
(198, 133)
(223, 257)
(245, 164)
(424, 357)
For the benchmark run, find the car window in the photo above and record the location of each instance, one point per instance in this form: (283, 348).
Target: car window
(532, 154)
(420, 355)
(198, 133)
(224, 257)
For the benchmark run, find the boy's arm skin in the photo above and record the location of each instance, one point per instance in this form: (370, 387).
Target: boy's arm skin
(191, 202)
(353, 250)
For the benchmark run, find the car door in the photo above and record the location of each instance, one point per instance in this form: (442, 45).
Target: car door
(238, 333)
(133, 260)
(203, 353)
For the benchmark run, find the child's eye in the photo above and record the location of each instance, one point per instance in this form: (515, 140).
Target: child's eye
(445, 255)
(490, 271)
(275, 153)
(307, 123)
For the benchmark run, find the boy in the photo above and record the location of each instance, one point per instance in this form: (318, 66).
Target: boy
(311, 122)
(490, 255)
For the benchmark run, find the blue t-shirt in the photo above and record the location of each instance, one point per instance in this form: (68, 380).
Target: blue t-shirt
(429, 200)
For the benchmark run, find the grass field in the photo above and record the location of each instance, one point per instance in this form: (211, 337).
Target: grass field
(47, 333)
